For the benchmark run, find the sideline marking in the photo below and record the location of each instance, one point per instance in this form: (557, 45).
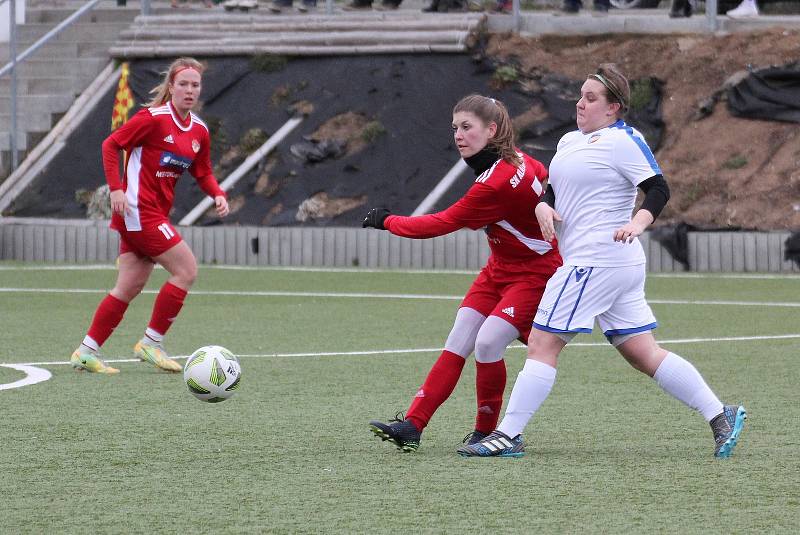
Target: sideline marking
(676, 275)
(434, 349)
(33, 375)
(383, 296)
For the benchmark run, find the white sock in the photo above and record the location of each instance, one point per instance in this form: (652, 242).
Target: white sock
(532, 387)
(682, 381)
(155, 336)
(89, 342)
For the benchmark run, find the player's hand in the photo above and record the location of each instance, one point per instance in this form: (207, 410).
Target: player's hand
(375, 218)
(547, 216)
(119, 203)
(221, 204)
(628, 232)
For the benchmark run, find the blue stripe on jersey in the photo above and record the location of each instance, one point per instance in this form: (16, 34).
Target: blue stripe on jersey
(580, 294)
(554, 330)
(555, 305)
(648, 154)
(616, 332)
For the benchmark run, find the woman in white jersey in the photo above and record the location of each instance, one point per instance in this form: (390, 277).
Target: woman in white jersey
(592, 190)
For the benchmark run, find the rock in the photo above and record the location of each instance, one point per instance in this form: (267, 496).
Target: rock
(98, 202)
(320, 205)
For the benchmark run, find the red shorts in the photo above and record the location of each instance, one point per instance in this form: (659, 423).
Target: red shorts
(149, 242)
(512, 298)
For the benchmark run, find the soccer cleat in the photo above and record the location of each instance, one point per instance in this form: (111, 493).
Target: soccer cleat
(399, 431)
(84, 359)
(726, 427)
(497, 444)
(473, 437)
(155, 355)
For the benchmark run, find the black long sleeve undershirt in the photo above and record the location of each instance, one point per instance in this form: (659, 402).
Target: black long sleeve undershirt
(656, 194)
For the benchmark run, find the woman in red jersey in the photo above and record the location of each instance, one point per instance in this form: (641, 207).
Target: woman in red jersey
(501, 304)
(160, 142)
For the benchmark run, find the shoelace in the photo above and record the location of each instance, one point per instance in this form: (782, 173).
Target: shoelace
(468, 436)
(398, 417)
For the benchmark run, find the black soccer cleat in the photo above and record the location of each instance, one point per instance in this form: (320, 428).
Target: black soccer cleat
(399, 431)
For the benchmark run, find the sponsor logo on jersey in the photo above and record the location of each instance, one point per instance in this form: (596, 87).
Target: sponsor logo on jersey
(167, 174)
(594, 138)
(195, 145)
(174, 160)
(543, 311)
(509, 311)
(168, 139)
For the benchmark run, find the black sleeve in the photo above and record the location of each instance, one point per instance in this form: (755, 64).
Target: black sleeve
(549, 197)
(656, 194)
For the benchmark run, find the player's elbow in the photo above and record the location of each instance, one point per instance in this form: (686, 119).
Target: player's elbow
(109, 145)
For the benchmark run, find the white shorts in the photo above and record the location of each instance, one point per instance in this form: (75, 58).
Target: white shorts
(575, 296)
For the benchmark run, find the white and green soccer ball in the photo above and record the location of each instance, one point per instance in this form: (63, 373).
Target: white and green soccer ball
(212, 373)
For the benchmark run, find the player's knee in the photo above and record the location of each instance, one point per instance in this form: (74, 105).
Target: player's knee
(489, 348)
(186, 275)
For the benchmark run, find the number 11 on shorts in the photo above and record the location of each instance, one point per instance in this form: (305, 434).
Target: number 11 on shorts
(166, 231)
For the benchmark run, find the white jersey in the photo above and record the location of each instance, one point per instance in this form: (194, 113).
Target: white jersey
(594, 178)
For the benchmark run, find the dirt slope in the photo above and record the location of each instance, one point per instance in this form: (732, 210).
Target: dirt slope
(724, 171)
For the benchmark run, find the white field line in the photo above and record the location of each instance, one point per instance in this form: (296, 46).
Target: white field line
(360, 295)
(679, 275)
(390, 351)
(33, 375)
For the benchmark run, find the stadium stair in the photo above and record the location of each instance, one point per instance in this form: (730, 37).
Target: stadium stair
(50, 79)
(212, 34)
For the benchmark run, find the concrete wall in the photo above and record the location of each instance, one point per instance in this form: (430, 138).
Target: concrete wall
(92, 242)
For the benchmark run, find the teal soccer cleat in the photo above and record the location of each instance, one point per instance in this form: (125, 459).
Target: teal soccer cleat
(727, 427)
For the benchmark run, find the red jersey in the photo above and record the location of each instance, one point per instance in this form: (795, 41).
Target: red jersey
(160, 146)
(503, 200)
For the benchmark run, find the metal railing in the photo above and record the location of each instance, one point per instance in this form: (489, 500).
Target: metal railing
(11, 66)
(15, 60)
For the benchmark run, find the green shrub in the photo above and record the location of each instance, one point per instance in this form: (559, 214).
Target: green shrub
(736, 161)
(268, 62)
(372, 131)
(506, 74)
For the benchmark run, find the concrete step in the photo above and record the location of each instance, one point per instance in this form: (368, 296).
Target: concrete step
(5, 141)
(46, 85)
(98, 31)
(95, 49)
(26, 103)
(5, 162)
(104, 13)
(27, 122)
(80, 68)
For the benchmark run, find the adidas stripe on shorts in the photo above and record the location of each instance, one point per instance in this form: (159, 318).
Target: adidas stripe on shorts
(575, 296)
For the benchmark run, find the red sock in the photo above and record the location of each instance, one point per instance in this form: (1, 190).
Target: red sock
(490, 383)
(166, 308)
(106, 318)
(436, 389)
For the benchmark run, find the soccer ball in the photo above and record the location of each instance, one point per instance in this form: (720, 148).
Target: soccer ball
(212, 374)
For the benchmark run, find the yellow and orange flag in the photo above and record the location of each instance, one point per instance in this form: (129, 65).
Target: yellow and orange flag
(123, 101)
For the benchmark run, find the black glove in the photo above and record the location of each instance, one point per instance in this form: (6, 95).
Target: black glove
(375, 218)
